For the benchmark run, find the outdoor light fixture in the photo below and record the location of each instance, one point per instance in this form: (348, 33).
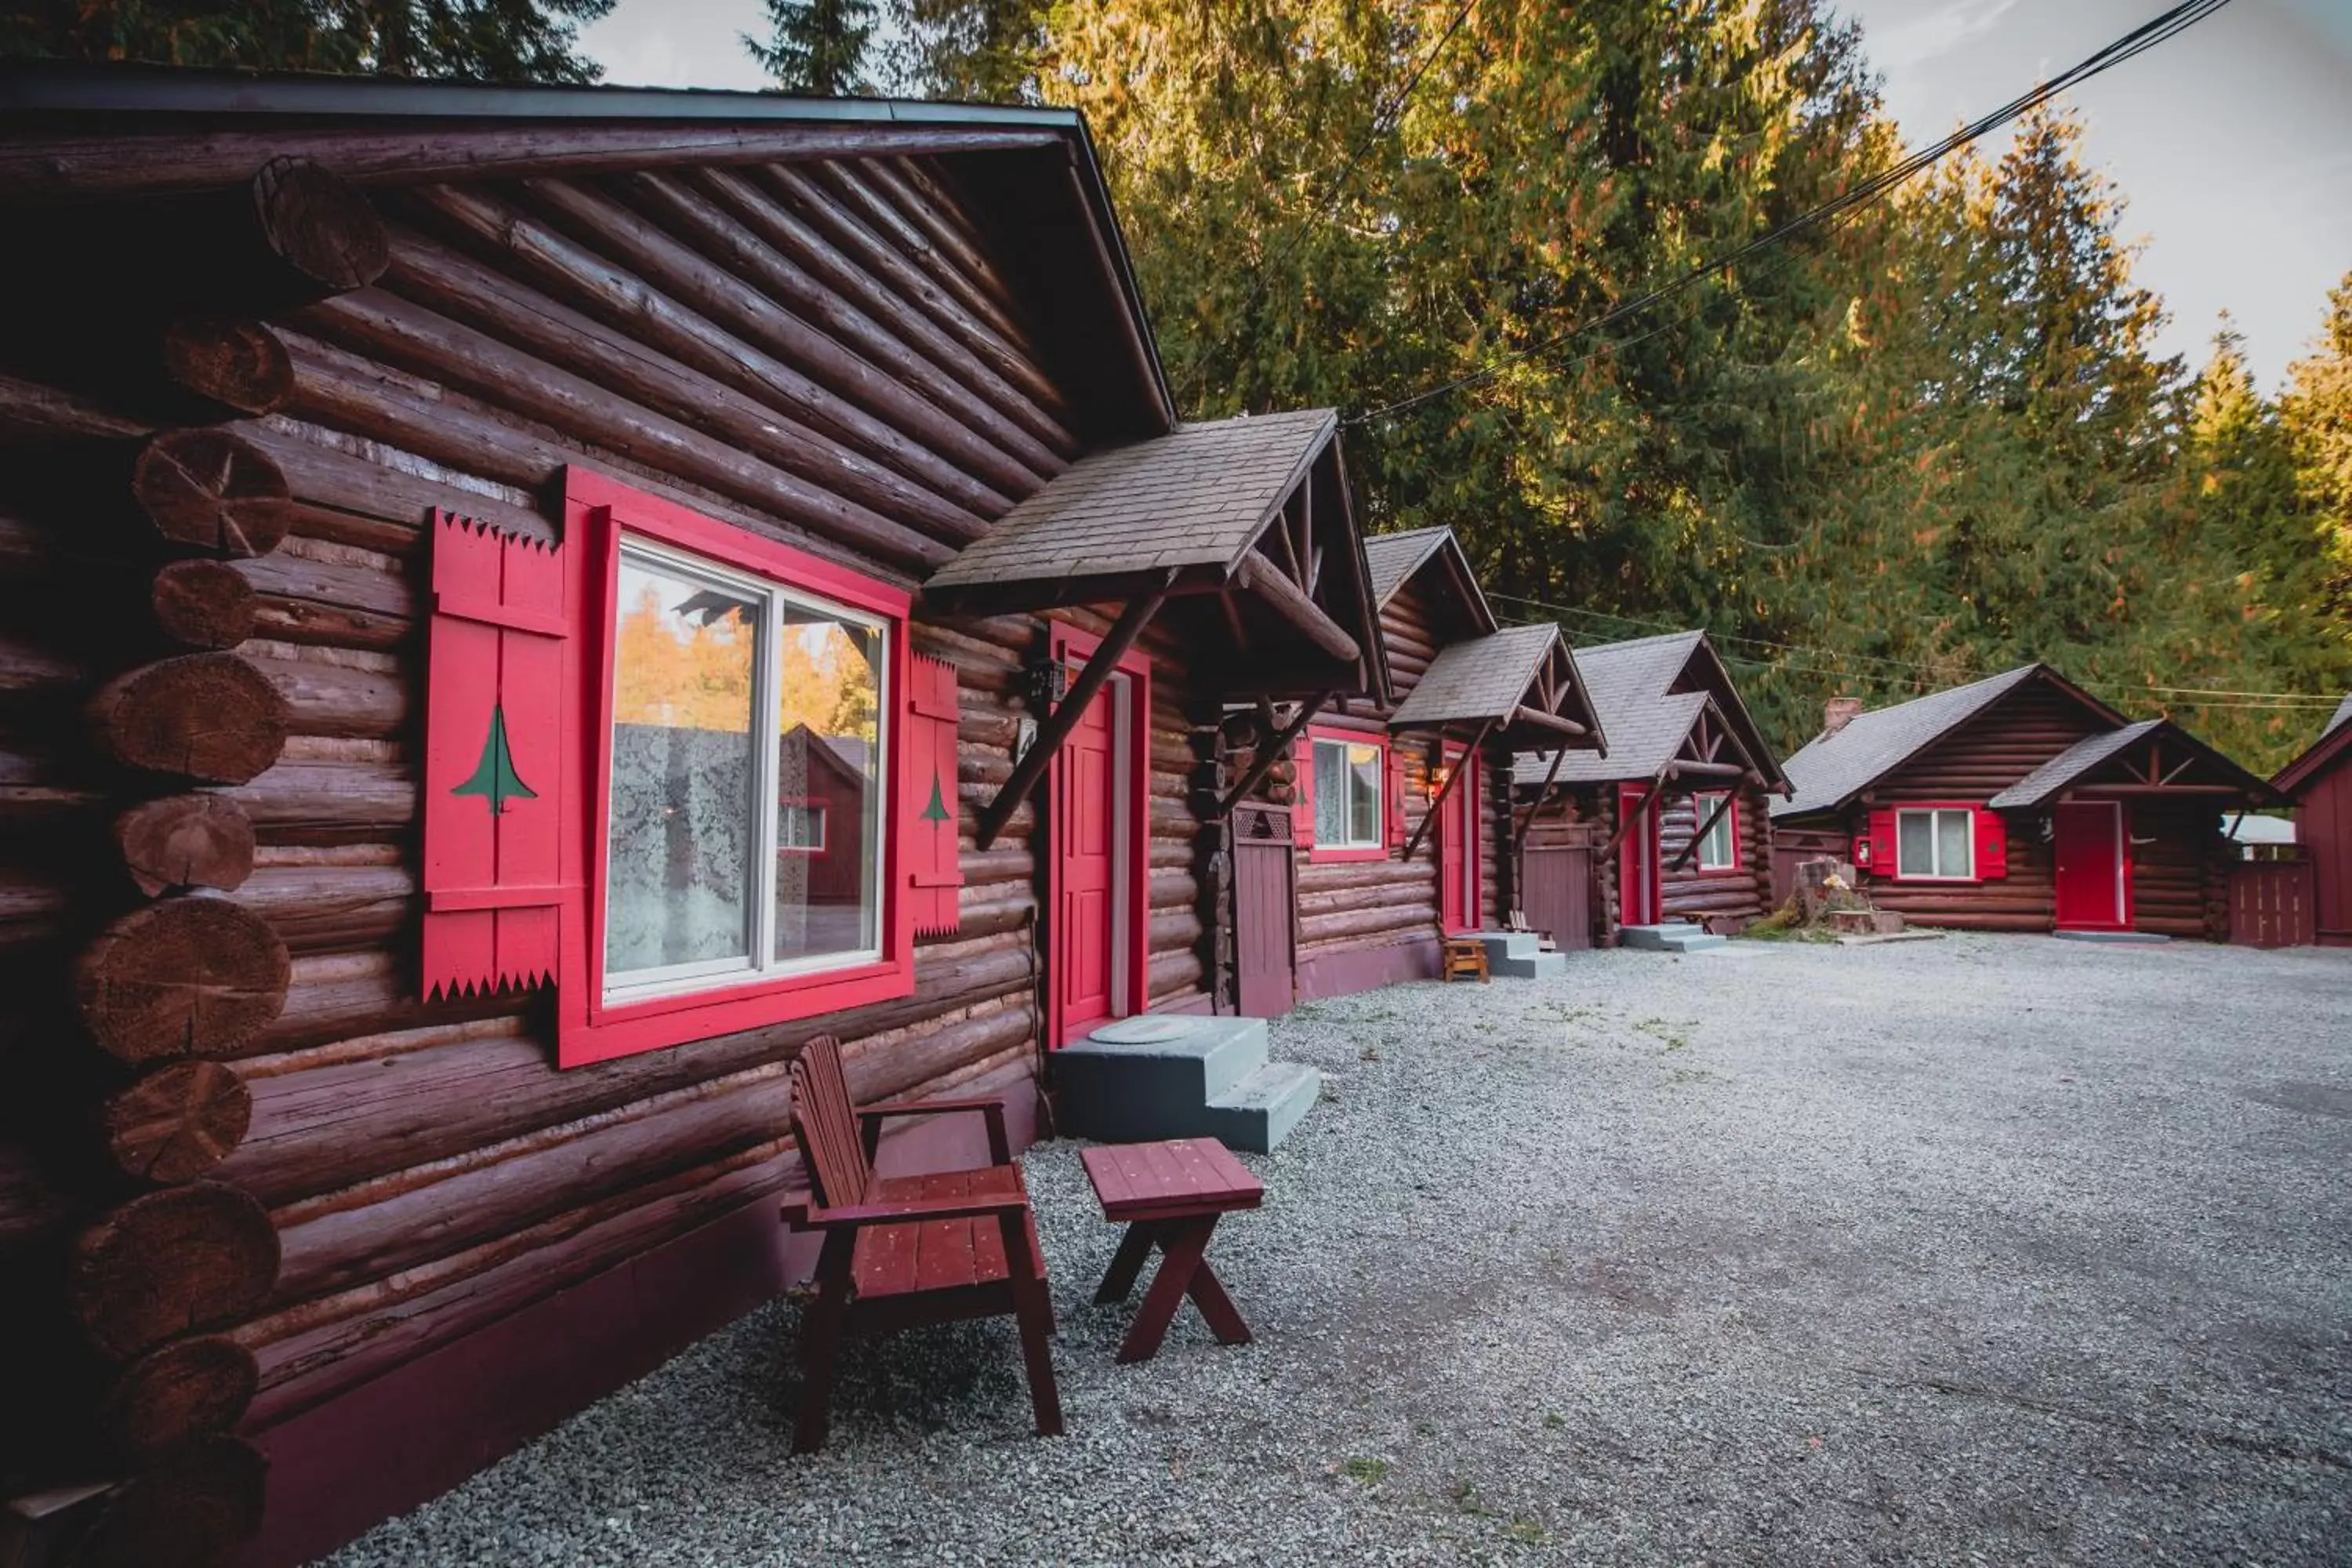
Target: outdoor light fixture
(1049, 682)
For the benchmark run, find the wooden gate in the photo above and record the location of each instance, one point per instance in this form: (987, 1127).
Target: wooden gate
(2271, 904)
(1266, 955)
(1556, 894)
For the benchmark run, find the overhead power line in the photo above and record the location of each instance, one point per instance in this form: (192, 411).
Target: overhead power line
(1914, 672)
(2147, 36)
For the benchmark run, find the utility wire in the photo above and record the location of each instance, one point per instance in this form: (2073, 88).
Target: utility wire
(2147, 36)
(1918, 673)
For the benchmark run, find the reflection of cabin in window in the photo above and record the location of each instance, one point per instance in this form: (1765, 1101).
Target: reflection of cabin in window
(821, 874)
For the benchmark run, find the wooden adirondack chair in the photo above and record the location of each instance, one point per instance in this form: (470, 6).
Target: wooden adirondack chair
(905, 1250)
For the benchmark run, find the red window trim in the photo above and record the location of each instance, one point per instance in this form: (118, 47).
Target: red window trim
(1895, 873)
(1701, 805)
(1316, 853)
(597, 511)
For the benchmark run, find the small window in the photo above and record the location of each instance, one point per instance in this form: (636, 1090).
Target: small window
(1939, 845)
(1718, 846)
(1348, 809)
(729, 690)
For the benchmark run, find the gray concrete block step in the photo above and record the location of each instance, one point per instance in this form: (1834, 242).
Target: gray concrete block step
(1258, 1112)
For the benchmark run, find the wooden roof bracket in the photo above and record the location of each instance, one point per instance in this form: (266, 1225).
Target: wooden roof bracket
(1625, 820)
(1543, 798)
(1277, 746)
(1263, 576)
(1057, 725)
(1428, 817)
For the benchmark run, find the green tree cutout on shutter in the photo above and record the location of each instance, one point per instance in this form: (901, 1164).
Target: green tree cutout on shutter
(935, 809)
(495, 779)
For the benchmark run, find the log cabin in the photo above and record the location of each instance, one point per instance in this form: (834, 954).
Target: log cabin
(1392, 839)
(2318, 784)
(526, 605)
(2020, 803)
(1669, 825)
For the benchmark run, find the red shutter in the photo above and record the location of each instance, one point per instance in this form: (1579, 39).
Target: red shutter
(1883, 861)
(1992, 844)
(1392, 792)
(1302, 793)
(495, 773)
(927, 833)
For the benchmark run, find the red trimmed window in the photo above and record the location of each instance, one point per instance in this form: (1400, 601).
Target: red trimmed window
(1346, 787)
(1938, 841)
(730, 756)
(1718, 843)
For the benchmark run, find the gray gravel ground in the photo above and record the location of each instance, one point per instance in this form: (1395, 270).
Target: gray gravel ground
(1980, 1250)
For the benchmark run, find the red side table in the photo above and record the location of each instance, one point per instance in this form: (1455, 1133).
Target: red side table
(1170, 1194)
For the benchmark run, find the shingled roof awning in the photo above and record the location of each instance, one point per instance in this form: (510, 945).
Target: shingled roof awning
(2154, 758)
(1241, 532)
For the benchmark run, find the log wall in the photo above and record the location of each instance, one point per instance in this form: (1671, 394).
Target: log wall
(252, 1169)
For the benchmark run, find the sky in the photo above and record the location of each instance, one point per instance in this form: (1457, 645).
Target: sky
(2233, 143)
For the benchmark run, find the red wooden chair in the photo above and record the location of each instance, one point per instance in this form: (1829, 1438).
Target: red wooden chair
(906, 1250)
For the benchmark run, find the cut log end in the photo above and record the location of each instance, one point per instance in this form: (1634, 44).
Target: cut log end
(176, 1396)
(321, 225)
(187, 1512)
(178, 1121)
(187, 841)
(202, 604)
(209, 716)
(188, 978)
(162, 1265)
(231, 361)
(214, 490)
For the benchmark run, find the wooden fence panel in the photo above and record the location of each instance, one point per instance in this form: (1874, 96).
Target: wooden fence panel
(1558, 893)
(2271, 904)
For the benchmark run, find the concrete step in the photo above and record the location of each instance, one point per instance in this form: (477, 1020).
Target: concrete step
(1534, 967)
(1258, 1112)
(1506, 944)
(1149, 1077)
(1668, 936)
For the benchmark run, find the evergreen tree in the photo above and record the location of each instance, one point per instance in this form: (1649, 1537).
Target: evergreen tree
(817, 47)
(478, 40)
(2317, 415)
(967, 51)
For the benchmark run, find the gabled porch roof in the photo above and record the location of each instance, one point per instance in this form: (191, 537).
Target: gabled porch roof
(2336, 741)
(1517, 685)
(2155, 758)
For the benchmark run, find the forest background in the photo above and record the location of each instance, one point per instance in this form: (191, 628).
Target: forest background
(1928, 442)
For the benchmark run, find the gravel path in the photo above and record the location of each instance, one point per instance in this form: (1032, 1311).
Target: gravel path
(1980, 1250)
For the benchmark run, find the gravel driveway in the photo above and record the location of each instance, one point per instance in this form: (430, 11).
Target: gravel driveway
(1978, 1250)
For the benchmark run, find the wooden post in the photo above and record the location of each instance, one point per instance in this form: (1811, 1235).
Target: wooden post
(1543, 798)
(1057, 725)
(1428, 818)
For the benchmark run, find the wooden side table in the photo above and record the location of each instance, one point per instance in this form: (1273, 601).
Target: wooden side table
(1170, 1194)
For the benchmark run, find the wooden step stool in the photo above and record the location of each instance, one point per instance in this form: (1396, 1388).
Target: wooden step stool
(1463, 957)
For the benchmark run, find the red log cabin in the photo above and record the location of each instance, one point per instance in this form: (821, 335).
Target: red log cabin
(2319, 784)
(1394, 837)
(526, 606)
(2020, 803)
(1670, 824)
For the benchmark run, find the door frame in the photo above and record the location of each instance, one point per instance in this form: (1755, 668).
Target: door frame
(1641, 840)
(1129, 690)
(2122, 817)
(1465, 878)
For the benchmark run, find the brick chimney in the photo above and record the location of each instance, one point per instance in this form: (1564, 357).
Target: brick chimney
(1838, 712)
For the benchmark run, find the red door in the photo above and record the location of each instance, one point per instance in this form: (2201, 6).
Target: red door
(1639, 900)
(1086, 874)
(1457, 847)
(2093, 883)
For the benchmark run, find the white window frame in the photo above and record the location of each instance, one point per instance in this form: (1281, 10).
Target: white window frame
(1379, 839)
(1935, 844)
(812, 813)
(771, 594)
(1702, 807)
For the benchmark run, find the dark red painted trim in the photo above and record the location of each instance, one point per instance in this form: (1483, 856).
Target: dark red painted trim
(1366, 969)
(392, 1445)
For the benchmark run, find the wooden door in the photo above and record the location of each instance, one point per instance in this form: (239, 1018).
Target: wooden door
(1458, 892)
(1558, 889)
(1639, 898)
(1265, 905)
(1088, 872)
(2088, 845)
